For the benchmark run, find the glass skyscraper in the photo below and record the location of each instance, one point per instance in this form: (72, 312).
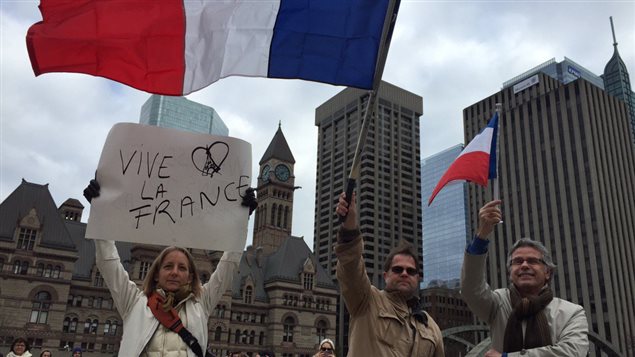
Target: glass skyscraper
(445, 228)
(181, 113)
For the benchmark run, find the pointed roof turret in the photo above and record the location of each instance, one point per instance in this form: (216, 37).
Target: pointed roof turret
(278, 148)
(618, 83)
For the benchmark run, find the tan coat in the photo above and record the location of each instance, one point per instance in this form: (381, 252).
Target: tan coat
(381, 323)
(567, 321)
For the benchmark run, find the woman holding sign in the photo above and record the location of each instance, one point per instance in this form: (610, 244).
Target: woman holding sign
(169, 315)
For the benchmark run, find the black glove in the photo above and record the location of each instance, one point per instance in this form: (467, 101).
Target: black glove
(249, 200)
(92, 190)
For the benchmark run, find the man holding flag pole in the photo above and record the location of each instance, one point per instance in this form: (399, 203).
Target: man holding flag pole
(525, 318)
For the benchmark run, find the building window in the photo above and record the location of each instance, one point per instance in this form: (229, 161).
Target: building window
(48, 271)
(99, 281)
(289, 324)
(26, 238)
(73, 326)
(77, 301)
(261, 338)
(40, 308)
(217, 333)
(67, 322)
(113, 328)
(93, 326)
(106, 327)
(248, 294)
(20, 267)
(56, 272)
(143, 269)
(40, 269)
(320, 331)
(237, 336)
(308, 281)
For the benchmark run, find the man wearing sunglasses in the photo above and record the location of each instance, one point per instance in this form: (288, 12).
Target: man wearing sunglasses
(389, 322)
(524, 319)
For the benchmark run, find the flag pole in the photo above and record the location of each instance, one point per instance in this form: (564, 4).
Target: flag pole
(498, 124)
(382, 54)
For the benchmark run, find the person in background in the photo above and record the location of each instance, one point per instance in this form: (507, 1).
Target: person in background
(169, 315)
(77, 352)
(46, 353)
(327, 349)
(20, 348)
(524, 319)
(389, 322)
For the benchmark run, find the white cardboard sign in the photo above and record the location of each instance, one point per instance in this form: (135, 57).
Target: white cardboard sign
(170, 187)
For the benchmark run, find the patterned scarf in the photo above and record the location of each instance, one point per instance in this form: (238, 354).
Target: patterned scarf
(529, 309)
(173, 298)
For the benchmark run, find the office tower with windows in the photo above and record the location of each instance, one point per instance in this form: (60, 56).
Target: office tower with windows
(181, 113)
(445, 230)
(389, 184)
(566, 164)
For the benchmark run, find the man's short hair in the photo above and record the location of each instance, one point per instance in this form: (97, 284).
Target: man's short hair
(527, 242)
(404, 248)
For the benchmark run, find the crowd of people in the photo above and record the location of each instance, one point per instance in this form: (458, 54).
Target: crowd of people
(20, 347)
(168, 315)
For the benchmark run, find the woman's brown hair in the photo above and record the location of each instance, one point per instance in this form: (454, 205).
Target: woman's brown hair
(150, 281)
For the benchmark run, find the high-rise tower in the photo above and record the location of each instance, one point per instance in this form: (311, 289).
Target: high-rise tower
(617, 82)
(389, 185)
(445, 230)
(566, 166)
(272, 224)
(181, 113)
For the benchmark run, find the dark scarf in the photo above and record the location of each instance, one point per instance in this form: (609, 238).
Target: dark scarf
(530, 309)
(416, 306)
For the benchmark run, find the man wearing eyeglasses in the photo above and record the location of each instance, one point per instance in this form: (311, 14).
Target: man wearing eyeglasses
(389, 322)
(524, 319)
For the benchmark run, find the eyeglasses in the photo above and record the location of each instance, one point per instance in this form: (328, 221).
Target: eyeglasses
(324, 349)
(399, 270)
(530, 261)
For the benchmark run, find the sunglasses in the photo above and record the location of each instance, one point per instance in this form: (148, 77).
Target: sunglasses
(399, 270)
(324, 349)
(530, 261)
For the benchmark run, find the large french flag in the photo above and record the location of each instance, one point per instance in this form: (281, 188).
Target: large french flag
(176, 47)
(476, 163)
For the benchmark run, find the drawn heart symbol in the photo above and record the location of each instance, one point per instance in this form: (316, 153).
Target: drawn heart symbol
(209, 159)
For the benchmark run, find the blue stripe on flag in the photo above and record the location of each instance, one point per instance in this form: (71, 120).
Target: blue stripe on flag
(331, 41)
(493, 123)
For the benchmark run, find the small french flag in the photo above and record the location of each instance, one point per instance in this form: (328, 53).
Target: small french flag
(476, 163)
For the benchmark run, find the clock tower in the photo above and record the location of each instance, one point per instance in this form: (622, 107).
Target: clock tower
(272, 224)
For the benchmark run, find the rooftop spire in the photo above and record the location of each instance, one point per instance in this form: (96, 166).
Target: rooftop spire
(613, 31)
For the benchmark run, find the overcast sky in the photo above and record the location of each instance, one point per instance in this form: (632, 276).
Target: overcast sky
(452, 53)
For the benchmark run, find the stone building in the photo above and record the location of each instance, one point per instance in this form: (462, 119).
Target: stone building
(52, 294)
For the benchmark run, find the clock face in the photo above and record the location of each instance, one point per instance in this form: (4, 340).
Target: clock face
(265, 173)
(282, 172)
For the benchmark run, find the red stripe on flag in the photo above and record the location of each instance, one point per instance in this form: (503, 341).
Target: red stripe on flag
(140, 43)
(472, 166)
